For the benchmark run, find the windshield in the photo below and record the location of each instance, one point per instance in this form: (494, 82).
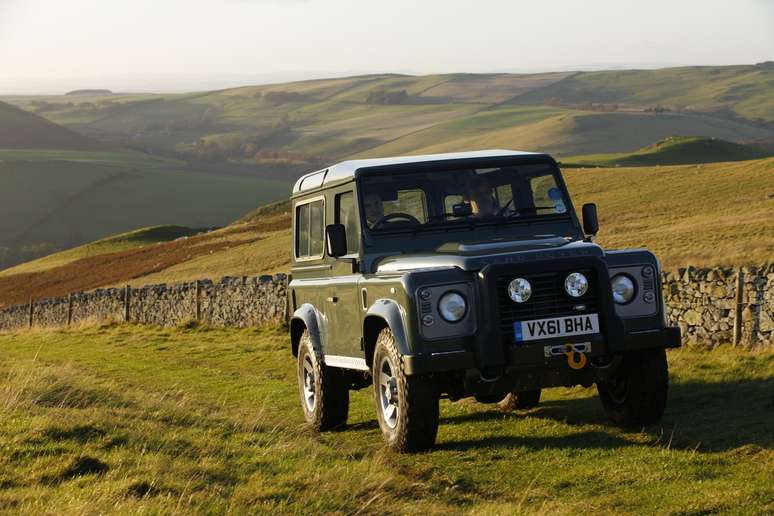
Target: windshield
(418, 200)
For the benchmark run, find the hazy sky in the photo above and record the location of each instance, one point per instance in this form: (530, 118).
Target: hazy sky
(47, 44)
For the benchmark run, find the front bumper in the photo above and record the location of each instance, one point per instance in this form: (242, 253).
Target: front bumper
(532, 356)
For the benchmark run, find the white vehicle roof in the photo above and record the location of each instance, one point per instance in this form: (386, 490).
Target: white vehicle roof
(347, 169)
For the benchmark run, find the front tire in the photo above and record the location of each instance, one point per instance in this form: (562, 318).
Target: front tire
(406, 406)
(637, 396)
(323, 390)
(520, 400)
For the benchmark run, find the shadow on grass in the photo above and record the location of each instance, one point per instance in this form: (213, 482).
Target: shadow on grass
(706, 416)
(585, 440)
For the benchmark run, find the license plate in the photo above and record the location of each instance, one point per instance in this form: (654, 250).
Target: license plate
(555, 327)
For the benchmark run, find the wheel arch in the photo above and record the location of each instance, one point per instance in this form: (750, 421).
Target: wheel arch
(304, 318)
(384, 313)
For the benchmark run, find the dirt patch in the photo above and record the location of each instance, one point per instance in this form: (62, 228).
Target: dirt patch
(115, 268)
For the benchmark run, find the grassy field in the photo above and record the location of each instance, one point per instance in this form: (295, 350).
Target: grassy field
(701, 215)
(679, 150)
(142, 420)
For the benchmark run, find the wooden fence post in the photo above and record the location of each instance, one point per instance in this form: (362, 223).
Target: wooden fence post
(738, 307)
(198, 301)
(69, 309)
(32, 308)
(127, 293)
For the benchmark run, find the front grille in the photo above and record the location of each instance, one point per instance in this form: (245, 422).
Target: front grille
(548, 299)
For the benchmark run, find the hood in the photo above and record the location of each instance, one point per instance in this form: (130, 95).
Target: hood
(474, 256)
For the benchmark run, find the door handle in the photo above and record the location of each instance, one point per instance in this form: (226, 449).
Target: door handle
(333, 299)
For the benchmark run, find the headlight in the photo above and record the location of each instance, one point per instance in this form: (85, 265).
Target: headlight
(519, 290)
(623, 288)
(576, 284)
(452, 306)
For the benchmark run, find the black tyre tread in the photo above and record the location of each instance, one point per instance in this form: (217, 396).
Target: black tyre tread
(647, 375)
(520, 400)
(418, 425)
(332, 409)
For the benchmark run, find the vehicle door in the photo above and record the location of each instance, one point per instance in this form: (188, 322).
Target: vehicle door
(343, 296)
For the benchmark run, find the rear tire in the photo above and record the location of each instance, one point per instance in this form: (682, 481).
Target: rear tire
(520, 400)
(637, 396)
(406, 406)
(323, 390)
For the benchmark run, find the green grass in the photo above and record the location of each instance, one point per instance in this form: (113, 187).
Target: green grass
(129, 419)
(701, 215)
(680, 150)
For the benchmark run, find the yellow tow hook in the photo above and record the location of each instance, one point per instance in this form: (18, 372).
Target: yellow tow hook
(575, 359)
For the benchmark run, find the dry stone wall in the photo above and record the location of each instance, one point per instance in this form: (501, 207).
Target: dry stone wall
(235, 302)
(711, 306)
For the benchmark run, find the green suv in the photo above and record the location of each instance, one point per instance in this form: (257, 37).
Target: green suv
(466, 274)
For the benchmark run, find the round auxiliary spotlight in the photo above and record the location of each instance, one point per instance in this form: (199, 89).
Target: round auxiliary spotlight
(519, 290)
(576, 284)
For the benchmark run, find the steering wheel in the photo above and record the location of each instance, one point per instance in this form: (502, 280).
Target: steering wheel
(395, 215)
(502, 210)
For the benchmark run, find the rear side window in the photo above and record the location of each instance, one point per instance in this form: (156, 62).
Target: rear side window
(309, 229)
(346, 215)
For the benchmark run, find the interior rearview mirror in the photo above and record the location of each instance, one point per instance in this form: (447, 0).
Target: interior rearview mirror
(336, 236)
(590, 221)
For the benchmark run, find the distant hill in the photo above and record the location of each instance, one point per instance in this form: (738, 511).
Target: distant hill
(20, 129)
(679, 150)
(306, 124)
(561, 133)
(744, 91)
(88, 92)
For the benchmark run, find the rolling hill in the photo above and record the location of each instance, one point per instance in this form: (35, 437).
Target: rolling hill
(678, 150)
(20, 129)
(313, 122)
(698, 215)
(59, 199)
(743, 91)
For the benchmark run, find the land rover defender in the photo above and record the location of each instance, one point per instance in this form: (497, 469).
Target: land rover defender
(465, 274)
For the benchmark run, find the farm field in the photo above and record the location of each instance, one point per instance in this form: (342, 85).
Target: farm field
(131, 419)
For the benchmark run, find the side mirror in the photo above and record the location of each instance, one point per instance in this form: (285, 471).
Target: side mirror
(336, 236)
(590, 221)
